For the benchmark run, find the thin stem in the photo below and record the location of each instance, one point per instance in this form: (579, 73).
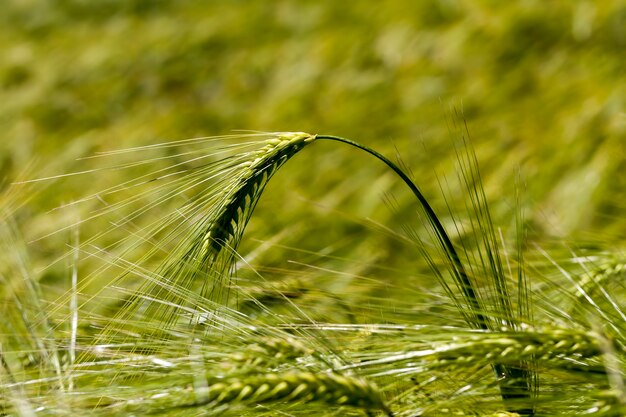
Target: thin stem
(512, 380)
(466, 285)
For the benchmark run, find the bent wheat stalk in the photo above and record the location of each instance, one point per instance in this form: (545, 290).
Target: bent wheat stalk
(211, 256)
(242, 196)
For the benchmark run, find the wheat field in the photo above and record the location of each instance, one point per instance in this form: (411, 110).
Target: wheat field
(446, 239)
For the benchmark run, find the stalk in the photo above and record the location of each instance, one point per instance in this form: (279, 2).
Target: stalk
(459, 270)
(512, 380)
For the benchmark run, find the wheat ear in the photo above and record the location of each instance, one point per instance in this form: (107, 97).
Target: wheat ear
(268, 352)
(293, 387)
(208, 259)
(557, 347)
(241, 197)
(595, 279)
(329, 388)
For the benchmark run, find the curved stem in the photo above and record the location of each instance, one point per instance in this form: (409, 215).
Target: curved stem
(511, 392)
(468, 289)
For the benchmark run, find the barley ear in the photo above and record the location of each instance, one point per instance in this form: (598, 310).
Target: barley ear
(203, 262)
(593, 283)
(242, 196)
(329, 388)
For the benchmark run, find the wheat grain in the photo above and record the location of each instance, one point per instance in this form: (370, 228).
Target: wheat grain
(241, 197)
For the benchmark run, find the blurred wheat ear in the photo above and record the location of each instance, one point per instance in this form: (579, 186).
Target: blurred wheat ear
(329, 388)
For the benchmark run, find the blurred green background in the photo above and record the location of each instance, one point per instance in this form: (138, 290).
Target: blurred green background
(541, 85)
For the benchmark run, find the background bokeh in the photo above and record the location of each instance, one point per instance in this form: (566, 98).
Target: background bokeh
(541, 86)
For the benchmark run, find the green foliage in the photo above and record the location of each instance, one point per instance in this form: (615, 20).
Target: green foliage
(129, 287)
